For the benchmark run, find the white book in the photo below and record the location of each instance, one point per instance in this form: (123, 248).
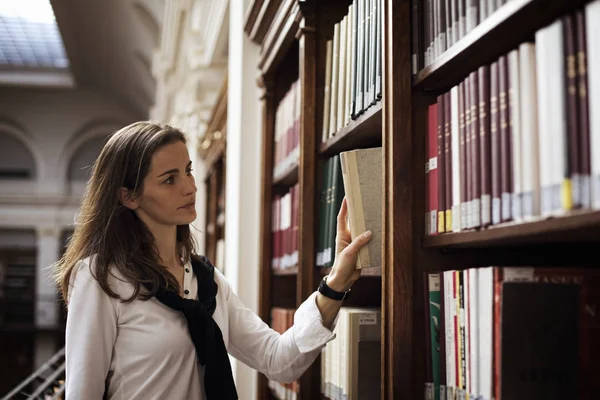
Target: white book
(592, 26)
(456, 150)
(349, 63)
(485, 348)
(473, 297)
(341, 77)
(335, 64)
(544, 120)
(449, 314)
(515, 131)
(530, 198)
(557, 137)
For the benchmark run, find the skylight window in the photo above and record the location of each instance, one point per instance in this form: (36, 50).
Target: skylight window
(29, 35)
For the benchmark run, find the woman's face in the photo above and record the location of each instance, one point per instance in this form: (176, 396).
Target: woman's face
(169, 190)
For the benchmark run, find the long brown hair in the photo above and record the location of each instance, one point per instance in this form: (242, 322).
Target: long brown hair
(111, 232)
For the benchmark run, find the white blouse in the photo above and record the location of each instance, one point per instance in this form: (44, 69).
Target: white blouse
(145, 350)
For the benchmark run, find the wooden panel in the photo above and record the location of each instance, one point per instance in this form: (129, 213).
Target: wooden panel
(397, 304)
(280, 36)
(288, 176)
(264, 302)
(512, 24)
(258, 18)
(309, 382)
(363, 132)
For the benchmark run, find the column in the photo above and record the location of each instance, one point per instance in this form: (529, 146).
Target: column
(48, 252)
(244, 142)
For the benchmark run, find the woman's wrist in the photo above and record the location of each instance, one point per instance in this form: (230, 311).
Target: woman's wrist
(337, 284)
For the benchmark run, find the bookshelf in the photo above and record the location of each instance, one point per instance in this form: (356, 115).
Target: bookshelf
(212, 150)
(293, 37)
(546, 246)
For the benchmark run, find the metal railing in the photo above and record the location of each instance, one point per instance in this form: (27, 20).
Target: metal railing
(48, 382)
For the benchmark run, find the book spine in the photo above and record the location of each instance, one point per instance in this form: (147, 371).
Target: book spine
(463, 157)
(515, 134)
(448, 159)
(485, 145)
(469, 152)
(495, 143)
(505, 145)
(441, 166)
(476, 159)
(456, 167)
(592, 13)
(583, 109)
(573, 131)
(529, 131)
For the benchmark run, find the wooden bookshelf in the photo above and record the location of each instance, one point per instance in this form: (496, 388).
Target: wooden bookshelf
(566, 241)
(211, 149)
(292, 35)
(510, 25)
(582, 226)
(365, 131)
(286, 271)
(288, 175)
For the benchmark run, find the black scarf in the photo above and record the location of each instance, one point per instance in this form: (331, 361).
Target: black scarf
(205, 333)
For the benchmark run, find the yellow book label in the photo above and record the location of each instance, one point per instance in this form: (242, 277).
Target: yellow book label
(448, 220)
(441, 223)
(566, 194)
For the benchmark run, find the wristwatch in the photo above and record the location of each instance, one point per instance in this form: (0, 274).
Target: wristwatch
(332, 294)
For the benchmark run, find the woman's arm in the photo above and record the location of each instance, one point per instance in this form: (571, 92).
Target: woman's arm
(284, 358)
(90, 335)
(344, 272)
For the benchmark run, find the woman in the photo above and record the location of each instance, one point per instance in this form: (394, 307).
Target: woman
(148, 318)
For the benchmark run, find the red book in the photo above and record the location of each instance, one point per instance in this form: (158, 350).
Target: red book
(432, 151)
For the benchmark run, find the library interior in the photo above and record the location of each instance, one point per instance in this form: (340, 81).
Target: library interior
(427, 122)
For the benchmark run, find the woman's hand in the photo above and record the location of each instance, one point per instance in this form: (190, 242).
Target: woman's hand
(344, 272)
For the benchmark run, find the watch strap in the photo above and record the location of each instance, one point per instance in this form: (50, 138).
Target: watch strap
(330, 293)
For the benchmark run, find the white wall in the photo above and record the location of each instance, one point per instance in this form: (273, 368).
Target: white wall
(243, 177)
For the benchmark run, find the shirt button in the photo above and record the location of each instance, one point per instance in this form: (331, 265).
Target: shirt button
(186, 291)
(187, 270)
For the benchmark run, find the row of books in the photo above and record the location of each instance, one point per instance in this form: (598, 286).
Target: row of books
(513, 332)
(519, 139)
(332, 194)
(284, 229)
(287, 129)
(282, 319)
(357, 175)
(351, 363)
(445, 22)
(353, 65)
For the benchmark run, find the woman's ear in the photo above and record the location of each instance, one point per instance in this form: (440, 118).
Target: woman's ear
(127, 198)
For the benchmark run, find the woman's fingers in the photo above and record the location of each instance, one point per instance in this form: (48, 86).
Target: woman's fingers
(342, 225)
(358, 242)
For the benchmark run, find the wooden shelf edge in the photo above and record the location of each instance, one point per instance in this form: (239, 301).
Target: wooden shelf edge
(289, 175)
(574, 226)
(285, 271)
(362, 127)
(366, 272)
(510, 25)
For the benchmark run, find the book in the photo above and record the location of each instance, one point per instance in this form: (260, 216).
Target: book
(362, 175)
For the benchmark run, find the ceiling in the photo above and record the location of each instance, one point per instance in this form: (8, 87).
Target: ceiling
(110, 45)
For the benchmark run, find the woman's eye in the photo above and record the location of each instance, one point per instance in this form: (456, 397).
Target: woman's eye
(170, 180)
(189, 171)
